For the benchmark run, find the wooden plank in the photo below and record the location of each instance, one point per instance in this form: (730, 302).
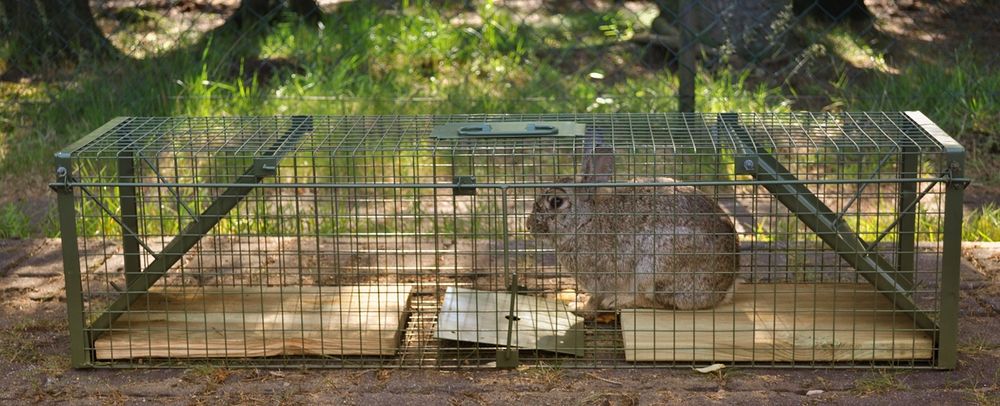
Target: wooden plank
(480, 316)
(780, 323)
(260, 321)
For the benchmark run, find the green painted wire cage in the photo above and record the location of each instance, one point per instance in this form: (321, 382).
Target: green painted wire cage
(831, 240)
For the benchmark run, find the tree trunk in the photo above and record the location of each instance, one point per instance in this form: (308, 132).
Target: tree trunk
(832, 10)
(307, 9)
(88, 36)
(57, 31)
(749, 28)
(71, 26)
(253, 13)
(28, 41)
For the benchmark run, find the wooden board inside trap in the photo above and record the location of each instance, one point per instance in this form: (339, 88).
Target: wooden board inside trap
(480, 317)
(260, 322)
(780, 323)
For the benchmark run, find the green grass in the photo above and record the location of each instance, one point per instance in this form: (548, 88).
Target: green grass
(23, 338)
(958, 92)
(13, 222)
(364, 60)
(367, 61)
(983, 224)
(371, 62)
(211, 374)
(877, 383)
(855, 50)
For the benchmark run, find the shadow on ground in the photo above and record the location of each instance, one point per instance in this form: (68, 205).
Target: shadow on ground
(35, 367)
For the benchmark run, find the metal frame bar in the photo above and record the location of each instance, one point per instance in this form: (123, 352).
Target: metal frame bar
(951, 256)
(111, 215)
(912, 206)
(111, 126)
(507, 357)
(79, 356)
(66, 205)
(947, 337)
(129, 213)
(906, 256)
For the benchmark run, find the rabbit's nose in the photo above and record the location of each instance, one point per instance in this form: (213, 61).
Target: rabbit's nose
(536, 226)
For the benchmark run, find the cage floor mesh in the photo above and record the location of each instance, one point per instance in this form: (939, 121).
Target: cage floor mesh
(764, 323)
(259, 322)
(780, 323)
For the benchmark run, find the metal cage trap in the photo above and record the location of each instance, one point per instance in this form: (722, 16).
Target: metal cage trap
(579, 240)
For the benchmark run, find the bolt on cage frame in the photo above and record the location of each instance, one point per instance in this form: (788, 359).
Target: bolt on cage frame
(928, 162)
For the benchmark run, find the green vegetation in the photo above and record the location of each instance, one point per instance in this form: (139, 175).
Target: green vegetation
(365, 60)
(878, 382)
(13, 222)
(211, 374)
(983, 224)
(24, 340)
(959, 93)
(375, 63)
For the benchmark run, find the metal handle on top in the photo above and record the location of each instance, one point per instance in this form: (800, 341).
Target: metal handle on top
(509, 129)
(530, 129)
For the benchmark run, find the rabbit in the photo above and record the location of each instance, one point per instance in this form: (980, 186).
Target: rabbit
(638, 247)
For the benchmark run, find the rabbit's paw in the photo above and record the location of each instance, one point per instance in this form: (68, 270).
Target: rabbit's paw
(606, 317)
(583, 311)
(601, 316)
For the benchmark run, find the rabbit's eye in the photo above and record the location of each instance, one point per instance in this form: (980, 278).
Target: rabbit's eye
(556, 202)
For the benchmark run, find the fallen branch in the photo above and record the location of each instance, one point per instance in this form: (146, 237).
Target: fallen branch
(604, 379)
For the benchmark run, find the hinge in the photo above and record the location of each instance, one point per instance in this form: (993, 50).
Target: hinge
(265, 167)
(464, 186)
(958, 183)
(955, 178)
(63, 181)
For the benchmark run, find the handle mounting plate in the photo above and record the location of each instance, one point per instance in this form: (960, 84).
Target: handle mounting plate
(508, 129)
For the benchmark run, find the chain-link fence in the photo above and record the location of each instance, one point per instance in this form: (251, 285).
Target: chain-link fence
(449, 44)
(69, 65)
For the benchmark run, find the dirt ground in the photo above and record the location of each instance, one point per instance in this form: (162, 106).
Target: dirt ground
(35, 368)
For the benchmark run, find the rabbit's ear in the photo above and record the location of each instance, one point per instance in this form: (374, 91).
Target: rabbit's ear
(598, 165)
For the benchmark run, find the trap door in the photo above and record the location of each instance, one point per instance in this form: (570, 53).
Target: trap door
(480, 316)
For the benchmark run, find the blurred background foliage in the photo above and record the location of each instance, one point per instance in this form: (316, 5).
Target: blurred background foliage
(67, 66)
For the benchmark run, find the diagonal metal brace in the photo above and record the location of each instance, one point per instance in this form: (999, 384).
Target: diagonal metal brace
(203, 223)
(824, 222)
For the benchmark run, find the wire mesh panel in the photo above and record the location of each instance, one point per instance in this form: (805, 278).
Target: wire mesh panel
(583, 240)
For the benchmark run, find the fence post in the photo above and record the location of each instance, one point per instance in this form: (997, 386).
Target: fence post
(686, 57)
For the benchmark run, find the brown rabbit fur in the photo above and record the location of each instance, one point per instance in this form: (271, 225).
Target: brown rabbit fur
(666, 247)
